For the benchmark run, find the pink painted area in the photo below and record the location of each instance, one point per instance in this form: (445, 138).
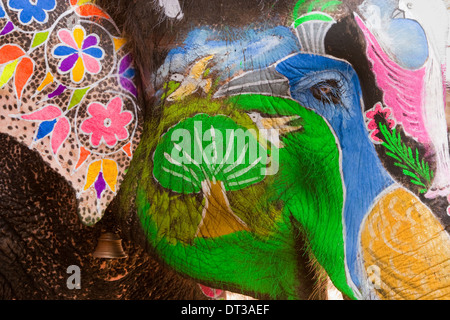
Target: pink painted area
(91, 64)
(66, 37)
(107, 123)
(60, 133)
(47, 113)
(403, 89)
(210, 292)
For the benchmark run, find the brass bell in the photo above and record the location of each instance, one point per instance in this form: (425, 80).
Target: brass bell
(109, 246)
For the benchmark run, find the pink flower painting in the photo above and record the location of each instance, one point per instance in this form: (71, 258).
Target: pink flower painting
(107, 124)
(385, 113)
(79, 53)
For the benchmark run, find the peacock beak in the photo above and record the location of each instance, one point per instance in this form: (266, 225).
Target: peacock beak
(265, 81)
(398, 14)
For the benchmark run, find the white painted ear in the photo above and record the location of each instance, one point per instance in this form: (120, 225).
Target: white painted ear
(172, 8)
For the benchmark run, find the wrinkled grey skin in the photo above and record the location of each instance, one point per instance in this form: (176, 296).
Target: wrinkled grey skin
(41, 236)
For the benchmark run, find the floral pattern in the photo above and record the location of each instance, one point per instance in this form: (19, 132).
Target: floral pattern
(81, 112)
(30, 11)
(385, 113)
(52, 122)
(102, 173)
(79, 53)
(107, 124)
(15, 64)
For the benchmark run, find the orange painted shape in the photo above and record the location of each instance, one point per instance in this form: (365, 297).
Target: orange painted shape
(78, 36)
(110, 173)
(118, 43)
(127, 149)
(48, 79)
(92, 173)
(84, 154)
(24, 71)
(78, 70)
(9, 53)
(89, 10)
(410, 247)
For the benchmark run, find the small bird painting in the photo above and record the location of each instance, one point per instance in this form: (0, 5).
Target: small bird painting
(193, 81)
(271, 128)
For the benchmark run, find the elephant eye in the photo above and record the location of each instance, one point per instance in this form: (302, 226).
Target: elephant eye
(328, 91)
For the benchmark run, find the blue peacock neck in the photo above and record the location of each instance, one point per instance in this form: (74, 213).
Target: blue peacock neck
(364, 179)
(364, 176)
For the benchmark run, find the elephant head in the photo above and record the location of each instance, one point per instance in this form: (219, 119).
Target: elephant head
(256, 147)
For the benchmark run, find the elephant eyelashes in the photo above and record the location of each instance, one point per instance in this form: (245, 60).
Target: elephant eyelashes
(328, 91)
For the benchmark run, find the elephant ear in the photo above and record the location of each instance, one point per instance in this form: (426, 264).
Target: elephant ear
(67, 91)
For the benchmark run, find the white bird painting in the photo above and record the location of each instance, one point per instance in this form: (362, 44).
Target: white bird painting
(271, 128)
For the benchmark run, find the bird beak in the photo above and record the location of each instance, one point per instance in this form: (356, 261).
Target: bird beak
(398, 14)
(265, 81)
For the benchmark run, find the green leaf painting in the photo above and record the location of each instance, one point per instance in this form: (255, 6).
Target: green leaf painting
(208, 148)
(411, 163)
(39, 38)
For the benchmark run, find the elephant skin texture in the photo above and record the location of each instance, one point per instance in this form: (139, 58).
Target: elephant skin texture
(41, 237)
(269, 148)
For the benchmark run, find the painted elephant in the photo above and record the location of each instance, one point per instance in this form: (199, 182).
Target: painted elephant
(261, 147)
